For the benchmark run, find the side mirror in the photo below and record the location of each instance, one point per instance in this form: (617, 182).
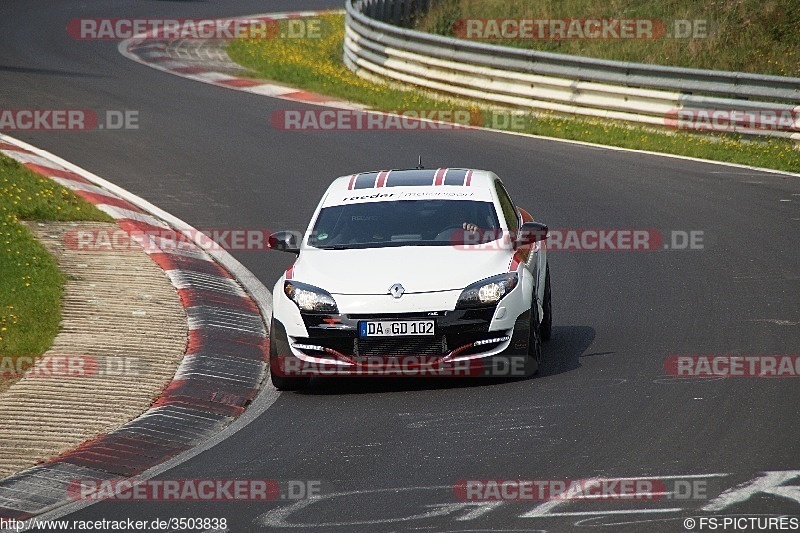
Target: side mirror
(285, 241)
(531, 232)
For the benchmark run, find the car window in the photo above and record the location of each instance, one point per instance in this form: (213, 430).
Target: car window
(400, 223)
(509, 211)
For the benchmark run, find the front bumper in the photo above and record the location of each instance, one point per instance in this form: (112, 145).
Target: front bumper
(462, 345)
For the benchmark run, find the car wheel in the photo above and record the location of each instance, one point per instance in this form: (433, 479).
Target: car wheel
(282, 383)
(546, 329)
(534, 338)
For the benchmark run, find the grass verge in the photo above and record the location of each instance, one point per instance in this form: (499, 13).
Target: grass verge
(744, 36)
(31, 285)
(316, 65)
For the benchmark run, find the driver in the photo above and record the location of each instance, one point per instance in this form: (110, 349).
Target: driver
(469, 226)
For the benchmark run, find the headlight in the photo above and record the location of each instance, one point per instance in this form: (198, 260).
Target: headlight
(488, 291)
(310, 298)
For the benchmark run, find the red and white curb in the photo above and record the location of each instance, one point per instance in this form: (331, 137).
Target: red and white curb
(150, 49)
(153, 50)
(222, 371)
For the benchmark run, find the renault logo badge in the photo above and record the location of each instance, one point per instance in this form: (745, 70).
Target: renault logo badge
(397, 290)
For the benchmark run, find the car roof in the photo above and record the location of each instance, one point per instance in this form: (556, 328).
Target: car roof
(444, 183)
(416, 177)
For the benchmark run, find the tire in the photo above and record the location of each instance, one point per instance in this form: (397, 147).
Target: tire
(546, 329)
(283, 383)
(534, 339)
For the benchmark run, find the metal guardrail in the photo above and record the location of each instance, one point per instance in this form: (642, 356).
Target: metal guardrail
(651, 94)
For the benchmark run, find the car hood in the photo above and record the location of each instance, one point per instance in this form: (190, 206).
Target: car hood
(417, 268)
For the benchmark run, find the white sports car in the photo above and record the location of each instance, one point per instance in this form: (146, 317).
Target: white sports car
(412, 272)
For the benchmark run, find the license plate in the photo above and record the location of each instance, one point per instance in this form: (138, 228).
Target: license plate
(395, 328)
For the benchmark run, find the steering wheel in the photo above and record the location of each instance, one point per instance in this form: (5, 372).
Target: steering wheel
(447, 233)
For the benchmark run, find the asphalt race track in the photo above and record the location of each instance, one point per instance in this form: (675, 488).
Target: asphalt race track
(387, 453)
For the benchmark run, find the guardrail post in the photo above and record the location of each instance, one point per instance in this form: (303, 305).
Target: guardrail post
(385, 12)
(407, 13)
(397, 9)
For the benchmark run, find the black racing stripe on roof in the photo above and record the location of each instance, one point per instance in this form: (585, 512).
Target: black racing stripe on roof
(366, 180)
(411, 178)
(455, 176)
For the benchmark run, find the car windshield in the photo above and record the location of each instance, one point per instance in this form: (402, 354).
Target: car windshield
(401, 223)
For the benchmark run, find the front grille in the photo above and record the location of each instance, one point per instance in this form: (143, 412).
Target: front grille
(428, 345)
(454, 329)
